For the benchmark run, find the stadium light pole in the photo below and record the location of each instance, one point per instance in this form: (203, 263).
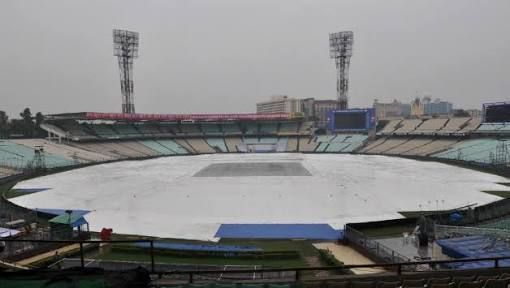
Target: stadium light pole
(125, 47)
(340, 49)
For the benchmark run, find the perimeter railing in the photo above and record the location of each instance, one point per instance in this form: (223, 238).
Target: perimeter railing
(292, 273)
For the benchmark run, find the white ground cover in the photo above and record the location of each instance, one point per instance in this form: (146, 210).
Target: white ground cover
(160, 197)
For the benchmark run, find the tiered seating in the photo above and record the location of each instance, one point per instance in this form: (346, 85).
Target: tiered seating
(126, 130)
(66, 151)
(231, 129)
(281, 144)
(341, 143)
(100, 148)
(432, 147)
(307, 144)
(168, 129)
(356, 141)
(306, 128)
(190, 129)
(268, 128)
(408, 146)
(183, 143)
(390, 127)
(251, 128)
(156, 146)
(173, 146)
(104, 131)
(292, 144)
(479, 150)
(211, 129)
(139, 148)
(503, 224)
(218, 144)
(123, 150)
(232, 143)
(148, 129)
(75, 129)
(268, 140)
(454, 124)
(495, 128)
(288, 128)
(251, 140)
(200, 145)
(407, 126)
(20, 156)
(373, 144)
(387, 145)
(470, 126)
(431, 126)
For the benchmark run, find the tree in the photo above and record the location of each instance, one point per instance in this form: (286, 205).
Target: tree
(28, 123)
(4, 124)
(39, 118)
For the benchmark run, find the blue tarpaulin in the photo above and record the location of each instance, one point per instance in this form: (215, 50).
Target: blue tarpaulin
(475, 247)
(199, 247)
(279, 231)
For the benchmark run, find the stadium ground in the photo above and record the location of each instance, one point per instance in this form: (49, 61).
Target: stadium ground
(162, 197)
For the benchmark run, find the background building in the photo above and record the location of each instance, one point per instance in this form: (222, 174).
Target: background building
(280, 104)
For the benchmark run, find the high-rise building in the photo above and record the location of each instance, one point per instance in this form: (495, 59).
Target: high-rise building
(279, 104)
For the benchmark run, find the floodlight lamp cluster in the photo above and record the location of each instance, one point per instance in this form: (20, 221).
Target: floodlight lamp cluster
(125, 43)
(340, 44)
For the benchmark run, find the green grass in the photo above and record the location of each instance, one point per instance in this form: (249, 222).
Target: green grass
(304, 248)
(13, 193)
(396, 230)
(502, 194)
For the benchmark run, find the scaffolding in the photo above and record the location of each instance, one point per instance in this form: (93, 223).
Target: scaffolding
(340, 49)
(125, 47)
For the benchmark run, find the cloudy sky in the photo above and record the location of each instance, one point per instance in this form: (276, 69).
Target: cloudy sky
(226, 55)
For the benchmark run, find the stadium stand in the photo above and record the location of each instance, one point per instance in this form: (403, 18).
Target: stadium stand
(281, 144)
(431, 126)
(173, 146)
(408, 146)
(126, 130)
(190, 129)
(268, 140)
(231, 129)
(158, 147)
(168, 129)
(390, 127)
(470, 126)
(373, 144)
(100, 148)
(211, 129)
(200, 146)
(103, 131)
(495, 128)
(306, 128)
(148, 129)
(139, 148)
(288, 128)
(63, 150)
(79, 132)
(232, 143)
(292, 144)
(387, 145)
(218, 144)
(454, 124)
(5, 171)
(268, 128)
(250, 128)
(307, 144)
(407, 126)
(20, 156)
(341, 143)
(184, 144)
(431, 147)
(476, 150)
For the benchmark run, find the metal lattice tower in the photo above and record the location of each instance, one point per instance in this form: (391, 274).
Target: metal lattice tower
(502, 156)
(340, 49)
(125, 47)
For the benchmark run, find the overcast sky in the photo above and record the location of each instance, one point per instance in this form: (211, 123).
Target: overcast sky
(224, 56)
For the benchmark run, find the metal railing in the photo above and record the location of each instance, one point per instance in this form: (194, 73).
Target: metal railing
(290, 273)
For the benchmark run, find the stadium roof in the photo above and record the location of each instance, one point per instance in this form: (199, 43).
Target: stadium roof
(169, 117)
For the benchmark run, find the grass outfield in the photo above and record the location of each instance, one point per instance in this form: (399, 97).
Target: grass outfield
(305, 249)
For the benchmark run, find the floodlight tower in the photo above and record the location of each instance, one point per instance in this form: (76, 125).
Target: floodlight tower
(340, 49)
(125, 47)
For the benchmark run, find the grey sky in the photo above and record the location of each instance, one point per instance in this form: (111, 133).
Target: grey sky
(224, 56)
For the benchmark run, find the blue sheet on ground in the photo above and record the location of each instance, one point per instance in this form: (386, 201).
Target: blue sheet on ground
(199, 247)
(279, 231)
(31, 190)
(475, 247)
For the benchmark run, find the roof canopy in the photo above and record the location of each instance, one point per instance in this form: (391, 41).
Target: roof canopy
(169, 117)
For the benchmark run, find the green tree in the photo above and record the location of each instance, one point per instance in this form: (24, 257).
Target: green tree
(4, 124)
(28, 122)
